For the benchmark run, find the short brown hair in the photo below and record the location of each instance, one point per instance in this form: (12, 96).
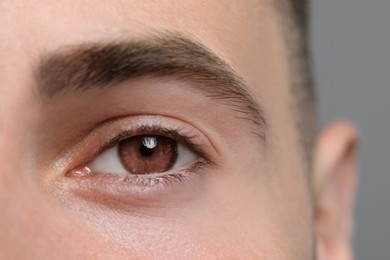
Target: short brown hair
(296, 23)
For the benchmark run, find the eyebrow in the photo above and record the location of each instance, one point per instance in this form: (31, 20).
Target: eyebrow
(89, 66)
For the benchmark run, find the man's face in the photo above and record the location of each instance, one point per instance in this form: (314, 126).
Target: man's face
(170, 160)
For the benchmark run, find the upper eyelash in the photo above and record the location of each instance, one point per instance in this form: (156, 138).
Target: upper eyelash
(155, 130)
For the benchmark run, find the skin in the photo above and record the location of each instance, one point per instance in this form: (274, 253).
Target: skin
(257, 202)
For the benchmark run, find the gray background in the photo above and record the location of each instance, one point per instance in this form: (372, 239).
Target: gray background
(351, 48)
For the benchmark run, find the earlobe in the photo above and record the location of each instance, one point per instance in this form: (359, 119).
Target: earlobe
(335, 182)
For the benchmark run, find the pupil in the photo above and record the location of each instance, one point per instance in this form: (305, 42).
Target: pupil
(145, 151)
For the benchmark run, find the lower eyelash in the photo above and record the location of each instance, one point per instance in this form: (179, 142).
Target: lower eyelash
(144, 180)
(154, 181)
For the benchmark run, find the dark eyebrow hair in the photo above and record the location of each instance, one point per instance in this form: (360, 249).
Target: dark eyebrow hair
(94, 65)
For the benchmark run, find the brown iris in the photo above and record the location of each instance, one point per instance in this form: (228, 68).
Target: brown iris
(148, 154)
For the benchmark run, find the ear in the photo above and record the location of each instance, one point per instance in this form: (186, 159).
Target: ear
(335, 182)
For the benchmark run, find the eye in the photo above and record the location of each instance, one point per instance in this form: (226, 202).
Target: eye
(142, 155)
(139, 160)
(139, 157)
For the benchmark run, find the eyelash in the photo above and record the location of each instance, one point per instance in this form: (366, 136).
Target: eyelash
(163, 179)
(155, 130)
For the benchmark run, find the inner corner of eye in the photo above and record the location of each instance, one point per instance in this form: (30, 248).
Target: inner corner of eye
(142, 154)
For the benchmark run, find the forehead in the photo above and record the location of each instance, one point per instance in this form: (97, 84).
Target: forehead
(55, 20)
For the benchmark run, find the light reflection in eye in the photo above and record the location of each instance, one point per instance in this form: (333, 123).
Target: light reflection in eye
(149, 142)
(143, 155)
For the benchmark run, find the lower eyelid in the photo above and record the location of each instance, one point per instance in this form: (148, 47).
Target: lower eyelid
(135, 191)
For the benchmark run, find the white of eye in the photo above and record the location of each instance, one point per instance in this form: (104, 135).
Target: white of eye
(109, 161)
